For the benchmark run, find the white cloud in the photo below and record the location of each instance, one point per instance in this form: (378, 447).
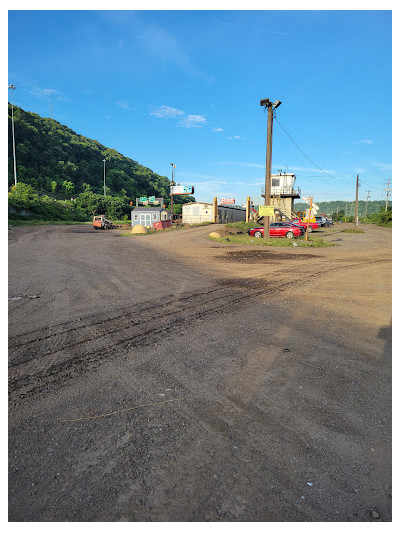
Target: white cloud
(235, 137)
(123, 104)
(166, 112)
(383, 166)
(364, 141)
(192, 121)
(217, 129)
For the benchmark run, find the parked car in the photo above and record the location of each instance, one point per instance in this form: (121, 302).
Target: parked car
(324, 222)
(277, 229)
(286, 224)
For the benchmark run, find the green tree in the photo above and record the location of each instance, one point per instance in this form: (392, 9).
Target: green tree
(68, 186)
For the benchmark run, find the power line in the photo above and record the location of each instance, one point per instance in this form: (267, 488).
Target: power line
(305, 155)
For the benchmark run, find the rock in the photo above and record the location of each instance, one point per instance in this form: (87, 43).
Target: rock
(374, 514)
(215, 235)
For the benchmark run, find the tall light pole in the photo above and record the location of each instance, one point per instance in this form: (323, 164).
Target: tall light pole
(104, 161)
(172, 196)
(268, 163)
(12, 87)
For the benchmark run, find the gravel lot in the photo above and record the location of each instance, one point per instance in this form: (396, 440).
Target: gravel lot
(171, 378)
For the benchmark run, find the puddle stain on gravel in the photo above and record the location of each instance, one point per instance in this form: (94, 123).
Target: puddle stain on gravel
(261, 256)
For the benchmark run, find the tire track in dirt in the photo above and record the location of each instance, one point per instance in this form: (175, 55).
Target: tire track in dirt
(41, 361)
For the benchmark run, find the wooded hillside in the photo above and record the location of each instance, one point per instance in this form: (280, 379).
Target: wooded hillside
(329, 208)
(49, 155)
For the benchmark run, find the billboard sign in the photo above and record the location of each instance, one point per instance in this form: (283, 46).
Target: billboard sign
(182, 189)
(227, 201)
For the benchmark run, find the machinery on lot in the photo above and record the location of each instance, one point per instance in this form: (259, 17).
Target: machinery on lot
(311, 225)
(101, 222)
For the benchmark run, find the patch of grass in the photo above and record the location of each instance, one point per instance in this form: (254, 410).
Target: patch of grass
(278, 242)
(34, 222)
(241, 226)
(352, 231)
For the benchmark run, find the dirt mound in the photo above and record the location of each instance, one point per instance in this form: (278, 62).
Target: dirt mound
(138, 230)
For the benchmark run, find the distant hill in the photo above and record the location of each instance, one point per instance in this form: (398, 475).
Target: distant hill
(329, 208)
(49, 153)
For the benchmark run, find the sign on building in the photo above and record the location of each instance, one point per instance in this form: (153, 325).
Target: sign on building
(227, 201)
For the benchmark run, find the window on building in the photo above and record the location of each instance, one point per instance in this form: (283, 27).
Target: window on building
(135, 217)
(275, 182)
(154, 216)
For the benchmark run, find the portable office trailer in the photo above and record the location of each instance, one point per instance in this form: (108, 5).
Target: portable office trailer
(146, 216)
(197, 212)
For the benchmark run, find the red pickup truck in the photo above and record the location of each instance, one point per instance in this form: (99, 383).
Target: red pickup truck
(311, 225)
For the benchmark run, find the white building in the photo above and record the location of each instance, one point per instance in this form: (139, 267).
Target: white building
(197, 212)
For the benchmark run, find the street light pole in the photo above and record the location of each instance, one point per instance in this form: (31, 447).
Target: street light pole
(104, 177)
(12, 87)
(172, 196)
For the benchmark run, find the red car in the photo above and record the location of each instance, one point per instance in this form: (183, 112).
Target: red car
(277, 230)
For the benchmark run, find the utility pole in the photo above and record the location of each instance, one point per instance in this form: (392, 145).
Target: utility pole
(308, 218)
(356, 207)
(387, 195)
(172, 196)
(12, 87)
(104, 160)
(345, 212)
(268, 163)
(248, 209)
(366, 207)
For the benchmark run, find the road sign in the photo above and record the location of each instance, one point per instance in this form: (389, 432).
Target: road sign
(227, 201)
(143, 198)
(152, 198)
(266, 210)
(182, 189)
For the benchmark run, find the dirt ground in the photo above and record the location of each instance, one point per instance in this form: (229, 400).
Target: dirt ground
(169, 378)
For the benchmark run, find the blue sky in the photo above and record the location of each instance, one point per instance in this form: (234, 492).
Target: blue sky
(184, 87)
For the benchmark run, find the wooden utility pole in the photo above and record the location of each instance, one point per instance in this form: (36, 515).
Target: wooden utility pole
(366, 207)
(387, 195)
(308, 218)
(248, 209)
(215, 210)
(345, 212)
(268, 163)
(356, 207)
